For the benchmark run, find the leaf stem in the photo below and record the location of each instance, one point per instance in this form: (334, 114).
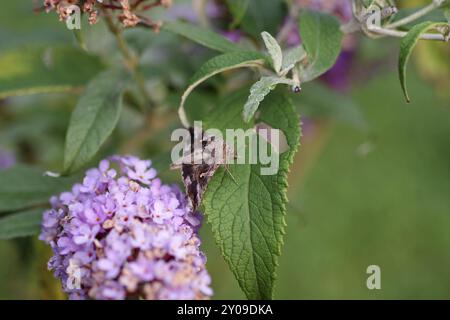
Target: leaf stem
(401, 34)
(131, 61)
(40, 90)
(416, 15)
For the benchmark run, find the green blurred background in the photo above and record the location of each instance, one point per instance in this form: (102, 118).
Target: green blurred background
(360, 195)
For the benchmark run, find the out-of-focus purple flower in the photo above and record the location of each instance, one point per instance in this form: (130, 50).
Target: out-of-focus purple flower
(340, 8)
(293, 36)
(7, 159)
(233, 35)
(123, 234)
(336, 77)
(213, 10)
(308, 127)
(182, 11)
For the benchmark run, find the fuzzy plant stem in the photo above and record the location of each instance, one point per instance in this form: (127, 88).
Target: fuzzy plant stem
(131, 61)
(401, 34)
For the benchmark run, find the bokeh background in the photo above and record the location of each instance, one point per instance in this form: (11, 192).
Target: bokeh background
(370, 184)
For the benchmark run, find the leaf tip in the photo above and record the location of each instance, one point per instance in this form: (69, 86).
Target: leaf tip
(405, 93)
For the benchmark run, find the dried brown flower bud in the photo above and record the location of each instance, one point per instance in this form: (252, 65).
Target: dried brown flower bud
(156, 27)
(166, 3)
(126, 11)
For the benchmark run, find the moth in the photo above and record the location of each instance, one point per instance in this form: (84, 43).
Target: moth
(200, 162)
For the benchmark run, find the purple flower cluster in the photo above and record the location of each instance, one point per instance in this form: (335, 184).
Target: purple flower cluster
(122, 234)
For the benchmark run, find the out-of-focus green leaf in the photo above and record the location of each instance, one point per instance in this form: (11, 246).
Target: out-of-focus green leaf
(406, 47)
(258, 92)
(321, 38)
(199, 105)
(202, 36)
(20, 26)
(263, 15)
(446, 11)
(36, 70)
(21, 224)
(247, 212)
(291, 57)
(22, 187)
(80, 39)
(318, 101)
(237, 9)
(218, 64)
(94, 118)
(437, 15)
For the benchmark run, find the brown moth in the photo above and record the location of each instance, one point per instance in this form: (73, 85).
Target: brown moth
(200, 163)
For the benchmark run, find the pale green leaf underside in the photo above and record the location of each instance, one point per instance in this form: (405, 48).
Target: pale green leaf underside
(406, 48)
(321, 38)
(291, 57)
(247, 217)
(202, 36)
(274, 51)
(21, 224)
(23, 187)
(216, 65)
(94, 118)
(258, 92)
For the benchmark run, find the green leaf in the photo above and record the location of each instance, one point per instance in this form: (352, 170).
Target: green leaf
(79, 38)
(248, 216)
(321, 38)
(238, 9)
(274, 51)
(258, 92)
(406, 47)
(94, 118)
(22, 224)
(263, 15)
(447, 13)
(436, 15)
(291, 57)
(41, 70)
(202, 36)
(24, 187)
(318, 101)
(218, 64)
